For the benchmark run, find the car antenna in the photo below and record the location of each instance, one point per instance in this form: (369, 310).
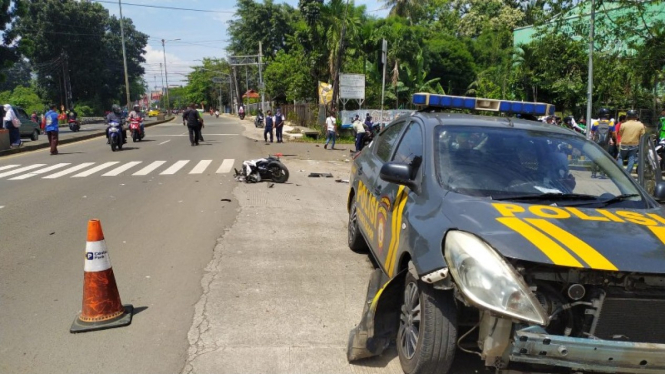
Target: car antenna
(510, 122)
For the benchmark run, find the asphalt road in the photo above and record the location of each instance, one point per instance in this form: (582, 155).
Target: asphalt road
(160, 231)
(226, 277)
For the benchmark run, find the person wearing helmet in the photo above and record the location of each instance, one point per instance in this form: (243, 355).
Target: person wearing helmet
(115, 116)
(602, 132)
(136, 114)
(630, 132)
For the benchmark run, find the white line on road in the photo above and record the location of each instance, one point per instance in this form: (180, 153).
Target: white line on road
(95, 169)
(20, 170)
(2, 206)
(200, 167)
(175, 167)
(164, 142)
(40, 171)
(148, 169)
(227, 165)
(69, 171)
(121, 169)
(7, 167)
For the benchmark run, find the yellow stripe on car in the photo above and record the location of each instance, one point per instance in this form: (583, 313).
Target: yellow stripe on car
(398, 226)
(584, 251)
(557, 254)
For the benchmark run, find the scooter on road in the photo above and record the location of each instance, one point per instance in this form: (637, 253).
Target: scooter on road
(74, 125)
(115, 135)
(137, 132)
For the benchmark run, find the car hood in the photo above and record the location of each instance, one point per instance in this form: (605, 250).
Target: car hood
(605, 239)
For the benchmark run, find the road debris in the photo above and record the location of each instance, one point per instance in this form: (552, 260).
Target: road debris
(342, 180)
(320, 175)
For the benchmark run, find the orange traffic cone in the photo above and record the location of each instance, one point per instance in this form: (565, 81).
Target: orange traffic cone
(102, 308)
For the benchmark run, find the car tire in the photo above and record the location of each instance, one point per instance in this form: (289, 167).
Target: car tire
(355, 238)
(429, 318)
(35, 135)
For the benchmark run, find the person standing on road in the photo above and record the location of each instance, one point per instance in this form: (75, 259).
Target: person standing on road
(52, 128)
(331, 126)
(630, 132)
(33, 117)
(193, 119)
(201, 126)
(359, 129)
(602, 132)
(268, 128)
(279, 125)
(12, 123)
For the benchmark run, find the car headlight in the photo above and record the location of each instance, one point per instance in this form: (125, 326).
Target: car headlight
(488, 281)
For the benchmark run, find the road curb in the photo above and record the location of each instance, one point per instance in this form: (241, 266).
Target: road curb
(69, 140)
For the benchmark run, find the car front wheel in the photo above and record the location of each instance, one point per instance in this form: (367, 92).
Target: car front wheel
(35, 135)
(355, 238)
(427, 328)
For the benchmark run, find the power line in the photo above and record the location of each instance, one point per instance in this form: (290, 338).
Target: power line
(169, 7)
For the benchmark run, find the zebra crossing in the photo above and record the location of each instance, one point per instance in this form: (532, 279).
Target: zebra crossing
(113, 169)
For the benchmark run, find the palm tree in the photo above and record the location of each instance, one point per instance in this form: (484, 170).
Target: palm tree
(404, 8)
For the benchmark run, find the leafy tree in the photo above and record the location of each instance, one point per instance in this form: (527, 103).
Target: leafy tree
(449, 58)
(287, 76)
(80, 40)
(8, 55)
(18, 74)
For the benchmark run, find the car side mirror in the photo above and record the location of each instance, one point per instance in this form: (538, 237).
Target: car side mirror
(659, 191)
(399, 173)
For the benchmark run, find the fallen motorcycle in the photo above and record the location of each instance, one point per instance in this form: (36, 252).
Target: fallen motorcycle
(254, 171)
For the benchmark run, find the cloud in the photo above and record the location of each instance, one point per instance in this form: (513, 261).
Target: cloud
(176, 67)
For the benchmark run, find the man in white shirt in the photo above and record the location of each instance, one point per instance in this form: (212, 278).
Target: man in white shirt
(359, 128)
(331, 129)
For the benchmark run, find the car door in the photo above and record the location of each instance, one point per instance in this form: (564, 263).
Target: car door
(26, 128)
(371, 217)
(648, 166)
(394, 198)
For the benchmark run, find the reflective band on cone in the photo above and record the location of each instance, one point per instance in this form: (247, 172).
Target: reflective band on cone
(102, 308)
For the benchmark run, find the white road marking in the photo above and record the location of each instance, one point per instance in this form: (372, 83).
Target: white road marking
(175, 167)
(121, 169)
(148, 169)
(2, 206)
(8, 167)
(200, 167)
(69, 171)
(40, 171)
(20, 170)
(164, 142)
(95, 169)
(227, 165)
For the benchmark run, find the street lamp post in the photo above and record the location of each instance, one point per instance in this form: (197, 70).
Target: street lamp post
(166, 73)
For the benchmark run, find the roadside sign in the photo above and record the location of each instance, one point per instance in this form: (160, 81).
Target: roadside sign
(352, 86)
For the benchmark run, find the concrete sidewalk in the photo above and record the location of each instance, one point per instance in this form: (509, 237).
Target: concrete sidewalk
(65, 136)
(256, 133)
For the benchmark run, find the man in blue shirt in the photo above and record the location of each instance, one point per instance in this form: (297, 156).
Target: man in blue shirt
(52, 128)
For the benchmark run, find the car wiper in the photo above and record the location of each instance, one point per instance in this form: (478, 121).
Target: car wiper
(548, 196)
(618, 198)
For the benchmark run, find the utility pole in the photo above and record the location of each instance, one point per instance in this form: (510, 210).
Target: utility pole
(166, 73)
(124, 54)
(161, 72)
(338, 59)
(589, 93)
(263, 110)
(384, 61)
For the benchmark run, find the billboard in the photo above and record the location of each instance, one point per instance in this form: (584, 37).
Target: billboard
(352, 86)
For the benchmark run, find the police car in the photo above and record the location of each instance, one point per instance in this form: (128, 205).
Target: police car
(491, 236)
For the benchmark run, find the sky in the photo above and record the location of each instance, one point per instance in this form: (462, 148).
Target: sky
(201, 34)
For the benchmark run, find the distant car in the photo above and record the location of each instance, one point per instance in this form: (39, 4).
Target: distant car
(153, 113)
(28, 128)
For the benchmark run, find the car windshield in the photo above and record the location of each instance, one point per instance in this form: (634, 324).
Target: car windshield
(532, 166)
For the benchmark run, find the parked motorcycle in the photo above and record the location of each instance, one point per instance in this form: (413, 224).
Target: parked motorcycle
(74, 125)
(115, 135)
(241, 115)
(217, 114)
(135, 128)
(254, 171)
(258, 121)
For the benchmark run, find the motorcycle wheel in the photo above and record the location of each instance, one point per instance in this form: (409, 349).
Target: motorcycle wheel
(113, 145)
(278, 172)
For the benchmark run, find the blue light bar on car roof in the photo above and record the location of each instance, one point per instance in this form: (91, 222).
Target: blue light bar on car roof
(477, 103)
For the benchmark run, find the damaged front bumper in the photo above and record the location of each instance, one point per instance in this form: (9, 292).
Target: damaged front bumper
(533, 345)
